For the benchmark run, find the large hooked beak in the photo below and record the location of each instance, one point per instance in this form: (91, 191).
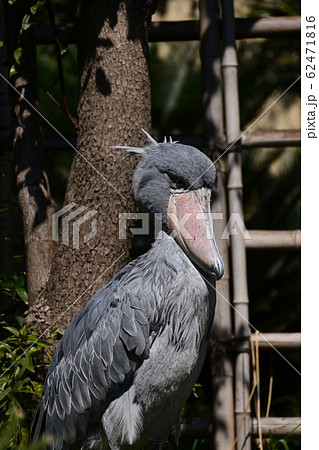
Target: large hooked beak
(190, 218)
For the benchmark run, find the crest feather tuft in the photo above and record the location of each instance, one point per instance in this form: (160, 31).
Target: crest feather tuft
(149, 137)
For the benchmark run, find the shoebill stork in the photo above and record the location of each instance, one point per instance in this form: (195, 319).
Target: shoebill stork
(128, 361)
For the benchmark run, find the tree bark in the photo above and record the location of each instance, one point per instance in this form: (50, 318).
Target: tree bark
(114, 105)
(33, 187)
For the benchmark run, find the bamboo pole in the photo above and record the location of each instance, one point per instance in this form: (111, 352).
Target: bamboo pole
(238, 251)
(269, 239)
(211, 74)
(222, 334)
(221, 360)
(278, 340)
(189, 30)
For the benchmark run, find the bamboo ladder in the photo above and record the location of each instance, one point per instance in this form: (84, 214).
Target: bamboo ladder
(231, 380)
(216, 67)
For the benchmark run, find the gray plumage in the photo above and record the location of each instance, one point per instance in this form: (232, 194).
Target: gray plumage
(129, 359)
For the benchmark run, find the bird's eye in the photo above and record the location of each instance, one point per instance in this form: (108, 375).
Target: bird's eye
(178, 183)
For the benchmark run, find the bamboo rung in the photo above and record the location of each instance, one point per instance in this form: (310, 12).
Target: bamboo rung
(278, 340)
(244, 28)
(188, 30)
(272, 138)
(279, 426)
(269, 239)
(267, 27)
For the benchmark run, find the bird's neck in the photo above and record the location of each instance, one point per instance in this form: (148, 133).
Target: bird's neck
(165, 239)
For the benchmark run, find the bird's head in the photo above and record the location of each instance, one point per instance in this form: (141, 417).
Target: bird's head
(176, 180)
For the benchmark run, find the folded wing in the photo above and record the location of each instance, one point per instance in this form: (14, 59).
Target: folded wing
(93, 364)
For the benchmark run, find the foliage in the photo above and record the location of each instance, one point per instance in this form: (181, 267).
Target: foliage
(13, 286)
(23, 365)
(13, 61)
(12, 429)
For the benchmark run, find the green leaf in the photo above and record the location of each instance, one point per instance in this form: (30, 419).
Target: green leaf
(5, 346)
(17, 54)
(12, 330)
(25, 362)
(26, 23)
(22, 293)
(34, 9)
(63, 43)
(56, 334)
(195, 444)
(3, 211)
(13, 71)
(6, 292)
(4, 381)
(38, 387)
(23, 330)
(5, 392)
(284, 444)
(20, 321)
(32, 337)
(30, 365)
(41, 344)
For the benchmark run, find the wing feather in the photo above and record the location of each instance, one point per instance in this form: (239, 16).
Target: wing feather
(94, 361)
(116, 375)
(106, 349)
(64, 394)
(128, 320)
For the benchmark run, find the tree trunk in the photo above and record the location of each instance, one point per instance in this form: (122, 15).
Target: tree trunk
(114, 105)
(33, 188)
